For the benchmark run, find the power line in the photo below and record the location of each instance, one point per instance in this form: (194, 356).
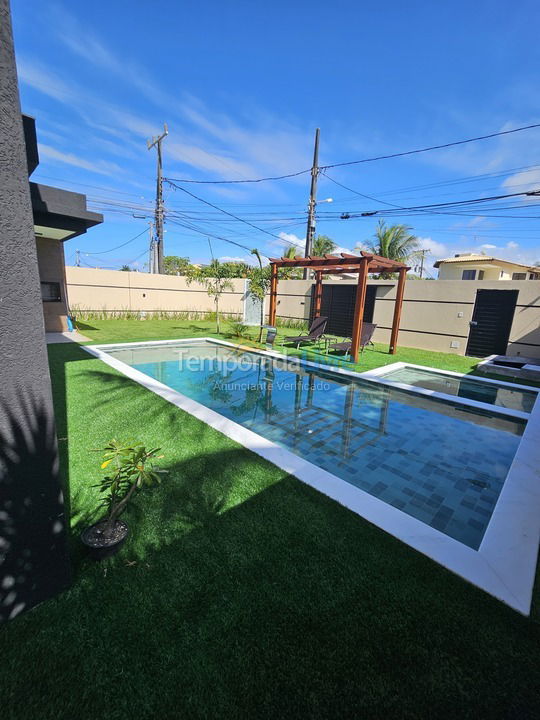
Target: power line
(432, 147)
(368, 197)
(102, 252)
(454, 204)
(230, 182)
(216, 237)
(365, 160)
(226, 212)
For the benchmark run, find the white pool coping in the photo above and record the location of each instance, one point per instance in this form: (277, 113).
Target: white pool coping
(505, 564)
(381, 373)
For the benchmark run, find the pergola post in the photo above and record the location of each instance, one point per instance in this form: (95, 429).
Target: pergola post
(397, 309)
(359, 308)
(273, 295)
(318, 294)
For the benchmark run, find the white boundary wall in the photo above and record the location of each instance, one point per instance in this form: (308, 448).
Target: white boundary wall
(435, 315)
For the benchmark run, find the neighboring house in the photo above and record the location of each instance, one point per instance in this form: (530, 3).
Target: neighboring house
(468, 266)
(58, 216)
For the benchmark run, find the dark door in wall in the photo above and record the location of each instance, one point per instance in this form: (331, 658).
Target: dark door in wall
(338, 306)
(491, 322)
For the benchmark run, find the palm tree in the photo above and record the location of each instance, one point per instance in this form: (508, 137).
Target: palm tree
(323, 245)
(394, 242)
(291, 273)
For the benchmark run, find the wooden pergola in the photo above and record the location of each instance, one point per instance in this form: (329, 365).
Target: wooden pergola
(363, 264)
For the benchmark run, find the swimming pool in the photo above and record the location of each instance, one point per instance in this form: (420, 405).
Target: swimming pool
(440, 462)
(481, 390)
(455, 479)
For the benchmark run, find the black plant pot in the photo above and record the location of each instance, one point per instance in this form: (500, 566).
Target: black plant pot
(100, 547)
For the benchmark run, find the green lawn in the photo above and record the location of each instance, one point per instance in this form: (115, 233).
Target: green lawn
(243, 593)
(132, 330)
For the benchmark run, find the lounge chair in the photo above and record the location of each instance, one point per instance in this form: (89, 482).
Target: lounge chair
(365, 339)
(315, 332)
(270, 337)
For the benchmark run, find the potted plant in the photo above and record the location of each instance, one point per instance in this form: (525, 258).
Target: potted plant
(129, 468)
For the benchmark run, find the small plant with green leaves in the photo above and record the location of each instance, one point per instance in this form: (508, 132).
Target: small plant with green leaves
(128, 469)
(238, 329)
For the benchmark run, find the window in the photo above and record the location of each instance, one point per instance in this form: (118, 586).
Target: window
(480, 274)
(519, 276)
(50, 292)
(534, 276)
(468, 275)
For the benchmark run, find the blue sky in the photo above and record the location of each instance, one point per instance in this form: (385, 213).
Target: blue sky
(243, 85)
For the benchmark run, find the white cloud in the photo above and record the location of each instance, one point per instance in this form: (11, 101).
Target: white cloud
(511, 245)
(289, 239)
(44, 81)
(437, 249)
(523, 181)
(70, 31)
(204, 160)
(487, 246)
(97, 166)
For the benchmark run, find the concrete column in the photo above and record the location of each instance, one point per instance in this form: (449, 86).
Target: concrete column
(34, 563)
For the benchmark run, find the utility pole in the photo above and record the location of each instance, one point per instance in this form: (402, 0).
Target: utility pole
(423, 254)
(152, 260)
(77, 258)
(310, 230)
(156, 142)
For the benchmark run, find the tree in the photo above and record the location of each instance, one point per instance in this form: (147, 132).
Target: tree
(125, 268)
(394, 242)
(323, 245)
(291, 273)
(259, 284)
(235, 269)
(174, 265)
(214, 278)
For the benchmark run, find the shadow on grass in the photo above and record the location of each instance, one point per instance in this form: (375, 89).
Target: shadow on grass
(82, 326)
(195, 328)
(243, 593)
(34, 562)
(282, 604)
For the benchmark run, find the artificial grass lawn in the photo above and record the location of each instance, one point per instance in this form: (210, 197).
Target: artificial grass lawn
(134, 330)
(244, 593)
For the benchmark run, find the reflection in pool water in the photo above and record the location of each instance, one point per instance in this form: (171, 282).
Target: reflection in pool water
(439, 461)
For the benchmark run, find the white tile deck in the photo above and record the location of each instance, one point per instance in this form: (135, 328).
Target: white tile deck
(65, 337)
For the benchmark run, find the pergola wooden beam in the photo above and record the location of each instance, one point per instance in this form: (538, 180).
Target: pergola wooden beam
(317, 300)
(362, 264)
(397, 310)
(359, 309)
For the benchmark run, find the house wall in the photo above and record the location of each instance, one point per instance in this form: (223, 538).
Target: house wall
(50, 255)
(33, 553)
(435, 314)
(454, 271)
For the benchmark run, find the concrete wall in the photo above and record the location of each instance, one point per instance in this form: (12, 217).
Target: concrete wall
(435, 315)
(50, 255)
(33, 554)
(112, 290)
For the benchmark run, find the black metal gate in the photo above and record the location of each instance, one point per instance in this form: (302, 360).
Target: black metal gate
(338, 306)
(491, 322)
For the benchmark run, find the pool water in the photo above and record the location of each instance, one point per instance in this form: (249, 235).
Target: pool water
(439, 461)
(466, 387)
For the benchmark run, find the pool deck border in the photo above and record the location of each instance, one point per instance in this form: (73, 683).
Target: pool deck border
(505, 563)
(380, 374)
